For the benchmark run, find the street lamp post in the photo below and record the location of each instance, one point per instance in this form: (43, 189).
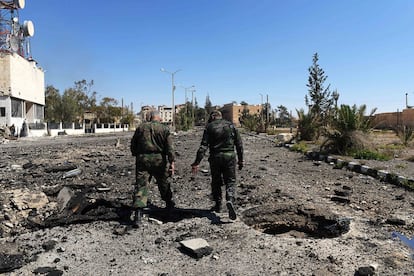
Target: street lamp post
(192, 103)
(186, 106)
(173, 89)
(262, 111)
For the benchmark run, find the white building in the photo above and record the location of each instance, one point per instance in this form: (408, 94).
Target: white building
(165, 113)
(22, 90)
(22, 83)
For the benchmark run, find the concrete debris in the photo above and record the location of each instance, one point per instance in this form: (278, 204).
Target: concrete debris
(49, 245)
(25, 199)
(72, 173)
(365, 271)
(196, 248)
(64, 196)
(285, 137)
(61, 168)
(395, 221)
(10, 257)
(50, 271)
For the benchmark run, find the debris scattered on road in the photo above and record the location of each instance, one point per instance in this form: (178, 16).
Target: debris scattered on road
(196, 248)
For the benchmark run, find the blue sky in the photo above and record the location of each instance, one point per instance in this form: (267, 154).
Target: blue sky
(231, 50)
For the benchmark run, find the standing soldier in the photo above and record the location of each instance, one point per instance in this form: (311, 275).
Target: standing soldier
(220, 137)
(153, 148)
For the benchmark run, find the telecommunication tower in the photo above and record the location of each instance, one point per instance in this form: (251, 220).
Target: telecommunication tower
(14, 36)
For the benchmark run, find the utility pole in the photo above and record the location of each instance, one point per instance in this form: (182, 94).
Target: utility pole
(173, 89)
(192, 103)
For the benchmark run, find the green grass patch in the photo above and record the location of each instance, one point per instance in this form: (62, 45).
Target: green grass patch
(370, 155)
(300, 147)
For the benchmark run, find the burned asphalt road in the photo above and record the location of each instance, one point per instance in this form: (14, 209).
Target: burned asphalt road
(64, 210)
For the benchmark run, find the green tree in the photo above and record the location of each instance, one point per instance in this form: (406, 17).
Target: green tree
(208, 107)
(284, 116)
(71, 109)
(320, 102)
(108, 111)
(53, 105)
(199, 114)
(250, 122)
(306, 125)
(347, 130)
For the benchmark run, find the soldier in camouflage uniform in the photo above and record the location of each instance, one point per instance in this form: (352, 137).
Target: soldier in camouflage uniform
(221, 137)
(153, 148)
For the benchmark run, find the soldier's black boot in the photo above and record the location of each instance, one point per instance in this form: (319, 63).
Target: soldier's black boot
(216, 207)
(137, 218)
(230, 208)
(169, 204)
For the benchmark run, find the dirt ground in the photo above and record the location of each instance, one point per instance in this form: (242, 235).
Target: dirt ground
(295, 216)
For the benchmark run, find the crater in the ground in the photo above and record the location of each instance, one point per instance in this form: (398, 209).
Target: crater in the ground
(300, 220)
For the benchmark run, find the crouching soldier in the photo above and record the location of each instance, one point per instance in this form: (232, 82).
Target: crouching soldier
(153, 149)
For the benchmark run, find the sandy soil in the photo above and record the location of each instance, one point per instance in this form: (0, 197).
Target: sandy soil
(295, 216)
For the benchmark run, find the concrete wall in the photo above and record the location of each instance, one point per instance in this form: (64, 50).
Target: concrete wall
(104, 128)
(22, 79)
(393, 119)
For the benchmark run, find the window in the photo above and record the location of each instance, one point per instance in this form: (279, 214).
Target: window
(17, 108)
(39, 112)
(2, 112)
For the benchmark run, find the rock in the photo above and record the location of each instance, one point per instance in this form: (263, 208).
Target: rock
(340, 199)
(10, 262)
(64, 197)
(365, 271)
(196, 248)
(49, 245)
(395, 221)
(342, 193)
(50, 271)
(25, 199)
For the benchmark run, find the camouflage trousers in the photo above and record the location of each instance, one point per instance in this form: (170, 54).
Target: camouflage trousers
(223, 172)
(146, 167)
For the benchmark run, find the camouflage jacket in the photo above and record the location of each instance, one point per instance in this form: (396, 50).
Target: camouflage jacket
(220, 136)
(153, 137)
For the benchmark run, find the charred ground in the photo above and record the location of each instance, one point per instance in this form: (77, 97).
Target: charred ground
(290, 221)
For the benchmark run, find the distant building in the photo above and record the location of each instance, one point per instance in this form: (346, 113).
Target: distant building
(165, 113)
(233, 112)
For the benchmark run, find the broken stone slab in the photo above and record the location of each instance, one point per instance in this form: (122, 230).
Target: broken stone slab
(342, 193)
(196, 248)
(10, 257)
(64, 196)
(61, 168)
(284, 137)
(11, 262)
(395, 221)
(48, 270)
(340, 199)
(25, 199)
(72, 173)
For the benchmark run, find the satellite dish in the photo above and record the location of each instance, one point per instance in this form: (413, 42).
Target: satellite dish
(19, 4)
(14, 43)
(28, 28)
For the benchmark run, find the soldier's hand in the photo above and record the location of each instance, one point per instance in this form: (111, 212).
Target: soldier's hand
(241, 164)
(194, 168)
(172, 168)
